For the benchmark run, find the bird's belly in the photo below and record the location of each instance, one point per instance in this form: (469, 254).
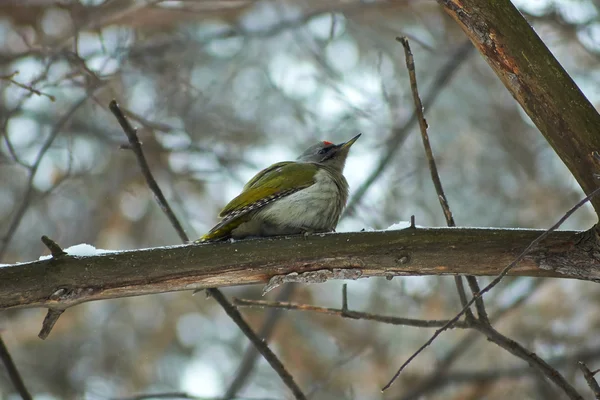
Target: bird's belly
(314, 209)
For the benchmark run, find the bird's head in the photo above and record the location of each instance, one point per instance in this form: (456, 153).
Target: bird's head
(328, 153)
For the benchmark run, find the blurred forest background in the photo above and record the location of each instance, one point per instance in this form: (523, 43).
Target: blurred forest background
(222, 89)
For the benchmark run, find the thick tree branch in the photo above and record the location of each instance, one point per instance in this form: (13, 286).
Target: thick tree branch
(64, 282)
(536, 80)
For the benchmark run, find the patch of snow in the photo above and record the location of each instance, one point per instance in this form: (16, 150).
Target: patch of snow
(81, 250)
(399, 225)
(87, 250)
(84, 250)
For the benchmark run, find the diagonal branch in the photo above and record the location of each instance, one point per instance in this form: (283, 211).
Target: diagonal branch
(435, 380)
(435, 176)
(493, 283)
(531, 358)
(13, 372)
(589, 378)
(53, 314)
(251, 355)
(136, 146)
(231, 311)
(399, 134)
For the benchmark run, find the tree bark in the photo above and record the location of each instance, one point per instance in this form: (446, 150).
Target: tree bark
(536, 80)
(65, 281)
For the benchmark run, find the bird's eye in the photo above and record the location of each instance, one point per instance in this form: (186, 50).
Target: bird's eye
(325, 150)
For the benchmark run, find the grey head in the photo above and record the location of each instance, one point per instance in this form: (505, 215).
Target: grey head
(327, 153)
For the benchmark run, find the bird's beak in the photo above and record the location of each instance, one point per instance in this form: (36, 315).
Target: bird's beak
(345, 146)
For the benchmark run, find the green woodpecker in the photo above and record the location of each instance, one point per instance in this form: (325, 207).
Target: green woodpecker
(290, 197)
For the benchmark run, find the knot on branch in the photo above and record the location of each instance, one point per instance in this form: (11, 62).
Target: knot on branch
(319, 276)
(65, 295)
(579, 257)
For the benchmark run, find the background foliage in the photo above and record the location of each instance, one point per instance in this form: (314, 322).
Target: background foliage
(221, 89)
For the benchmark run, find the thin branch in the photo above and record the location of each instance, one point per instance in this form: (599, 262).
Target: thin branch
(49, 321)
(345, 313)
(272, 317)
(231, 311)
(399, 134)
(266, 352)
(54, 248)
(462, 295)
(589, 378)
(531, 358)
(345, 298)
(324, 379)
(434, 381)
(53, 313)
(136, 147)
(29, 88)
(494, 375)
(479, 305)
(435, 177)
(13, 372)
(28, 195)
(492, 284)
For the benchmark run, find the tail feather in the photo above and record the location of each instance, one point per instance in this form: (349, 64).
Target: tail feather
(222, 231)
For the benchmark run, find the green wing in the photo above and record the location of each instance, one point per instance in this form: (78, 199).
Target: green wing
(279, 180)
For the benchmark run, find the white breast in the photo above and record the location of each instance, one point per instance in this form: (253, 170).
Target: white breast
(316, 208)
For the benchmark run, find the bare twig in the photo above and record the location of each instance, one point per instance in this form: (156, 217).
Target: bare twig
(53, 313)
(532, 359)
(251, 355)
(136, 147)
(54, 248)
(589, 378)
(29, 88)
(493, 375)
(482, 323)
(327, 377)
(28, 195)
(345, 313)
(399, 134)
(434, 380)
(266, 352)
(492, 284)
(344, 298)
(479, 305)
(49, 321)
(13, 373)
(231, 311)
(435, 177)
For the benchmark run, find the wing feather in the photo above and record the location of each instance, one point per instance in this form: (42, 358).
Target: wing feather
(269, 185)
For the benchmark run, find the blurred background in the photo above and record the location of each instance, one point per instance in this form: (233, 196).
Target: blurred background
(222, 89)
